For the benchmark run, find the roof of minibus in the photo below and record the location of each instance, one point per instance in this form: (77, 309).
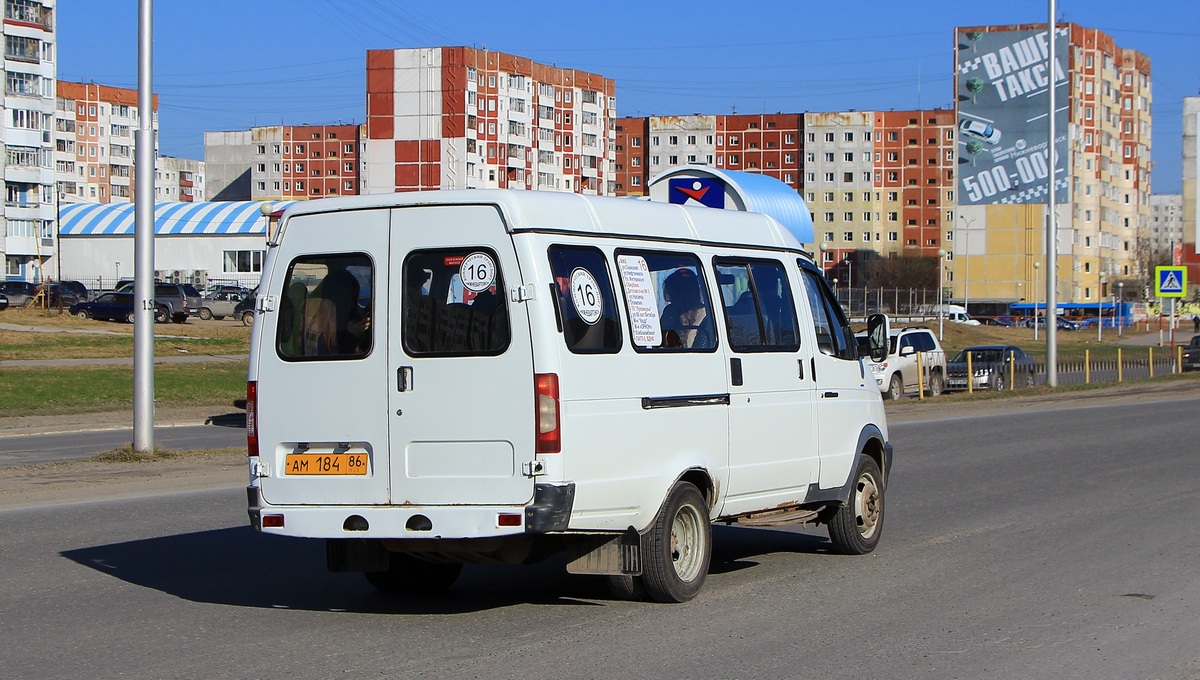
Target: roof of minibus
(568, 212)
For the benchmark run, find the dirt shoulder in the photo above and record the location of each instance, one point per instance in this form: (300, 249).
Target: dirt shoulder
(84, 481)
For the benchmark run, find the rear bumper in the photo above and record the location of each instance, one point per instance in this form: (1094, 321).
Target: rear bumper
(549, 511)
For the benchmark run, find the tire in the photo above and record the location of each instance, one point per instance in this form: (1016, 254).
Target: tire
(998, 383)
(131, 317)
(678, 548)
(1030, 381)
(895, 387)
(83, 314)
(247, 318)
(179, 318)
(936, 385)
(206, 314)
(161, 316)
(856, 526)
(626, 587)
(408, 574)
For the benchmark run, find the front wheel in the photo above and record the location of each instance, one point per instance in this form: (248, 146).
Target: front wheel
(83, 314)
(408, 574)
(678, 548)
(1029, 380)
(856, 526)
(247, 318)
(896, 388)
(206, 314)
(998, 382)
(131, 317)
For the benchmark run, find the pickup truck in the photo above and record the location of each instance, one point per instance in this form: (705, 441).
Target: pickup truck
(1191, 355)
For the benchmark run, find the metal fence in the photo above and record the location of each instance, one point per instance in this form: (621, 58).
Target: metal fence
(860, 302)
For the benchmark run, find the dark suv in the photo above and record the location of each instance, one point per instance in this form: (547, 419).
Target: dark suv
(181, 299)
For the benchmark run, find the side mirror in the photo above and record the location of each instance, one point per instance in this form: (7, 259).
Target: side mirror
(877, 335)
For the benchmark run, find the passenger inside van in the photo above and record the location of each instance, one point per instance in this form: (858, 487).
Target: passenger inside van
(686, 314)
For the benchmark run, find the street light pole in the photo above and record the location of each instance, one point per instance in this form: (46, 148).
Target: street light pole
(941, 253)
(1036, 266)
(1121, 302)
(1100, 311)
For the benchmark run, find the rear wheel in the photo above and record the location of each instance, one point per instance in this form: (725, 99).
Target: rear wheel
(131, 317)
(856, 526)
(678, 547)
(998, 382)
(936, 385)
(83, 314)
(206, 313)
(179, 318)
(1029, 380)
(408, 574)
(895, 388)
(161, 315)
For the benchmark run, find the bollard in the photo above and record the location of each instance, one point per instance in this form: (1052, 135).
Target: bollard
(1151, 361)
(1012, 371)
(970, 375)
(1120, 366)
(1087, 367)
(1178, 359)
(920, 378)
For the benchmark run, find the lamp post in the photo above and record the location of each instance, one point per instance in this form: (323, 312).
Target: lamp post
(118, 263)
(1100, 311)
(1036, 266)
(1121, 302)
(941, 253)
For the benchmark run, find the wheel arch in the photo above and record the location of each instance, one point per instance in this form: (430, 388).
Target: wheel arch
(702, 480)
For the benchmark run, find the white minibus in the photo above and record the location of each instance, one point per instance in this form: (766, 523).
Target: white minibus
(456, 377)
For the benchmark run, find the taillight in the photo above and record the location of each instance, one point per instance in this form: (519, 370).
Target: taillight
(548, 440)
(252, 418)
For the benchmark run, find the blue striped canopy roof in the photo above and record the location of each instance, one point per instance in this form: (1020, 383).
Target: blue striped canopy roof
(170, 219)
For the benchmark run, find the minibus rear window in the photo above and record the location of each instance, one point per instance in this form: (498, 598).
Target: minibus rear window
(586, 303)
(325, 309)
(453, 303)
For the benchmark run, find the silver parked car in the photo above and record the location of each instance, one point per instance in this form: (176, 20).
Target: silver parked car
(220, 304)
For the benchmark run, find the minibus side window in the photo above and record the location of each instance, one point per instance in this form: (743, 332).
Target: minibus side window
(586, 302)
(453, 303)
(667, 301)
(833, 331)
(325, 309)
(759, 311)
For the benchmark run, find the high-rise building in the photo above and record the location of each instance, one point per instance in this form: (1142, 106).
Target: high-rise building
(27, 240)
(1102, 177)
(632, 171)
(1189, 253)
(459, 117)
(178, 179)
(95, 130)
(283, 162)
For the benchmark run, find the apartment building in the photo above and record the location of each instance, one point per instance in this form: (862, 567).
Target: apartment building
(631, 170)
(283, 162)
(28, 108)
(459, 117)
(839, 186)
(1102, 180)
(95, 130)
(1188, 252)
(178, 179)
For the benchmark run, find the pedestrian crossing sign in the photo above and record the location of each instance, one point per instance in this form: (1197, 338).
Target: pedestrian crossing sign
(1170, 282)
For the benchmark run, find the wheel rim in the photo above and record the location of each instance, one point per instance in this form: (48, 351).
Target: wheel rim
(868, 505)
(896, 388)
(687, 544)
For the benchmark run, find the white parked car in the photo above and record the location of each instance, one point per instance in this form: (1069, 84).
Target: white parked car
(915, 357)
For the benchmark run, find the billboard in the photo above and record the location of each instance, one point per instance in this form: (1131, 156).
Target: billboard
(1002, 86)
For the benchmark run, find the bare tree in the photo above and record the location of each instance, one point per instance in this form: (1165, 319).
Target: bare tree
(904, 272)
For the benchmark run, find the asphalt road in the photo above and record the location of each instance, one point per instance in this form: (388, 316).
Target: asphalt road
(1052, 544)
(223, 432)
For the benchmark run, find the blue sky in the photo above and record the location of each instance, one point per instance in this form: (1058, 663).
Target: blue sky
(232, 64)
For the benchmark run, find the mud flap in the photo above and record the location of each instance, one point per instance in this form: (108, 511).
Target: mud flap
(606, 555)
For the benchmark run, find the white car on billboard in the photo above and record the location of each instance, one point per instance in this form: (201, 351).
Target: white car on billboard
(980, 130)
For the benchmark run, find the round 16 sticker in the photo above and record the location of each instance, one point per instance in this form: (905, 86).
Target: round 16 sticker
(585, 295)
(477, 271)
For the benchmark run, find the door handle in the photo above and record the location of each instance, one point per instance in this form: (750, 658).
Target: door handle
(830, 395)
(404, 378)
(801, 363)
(735, 371)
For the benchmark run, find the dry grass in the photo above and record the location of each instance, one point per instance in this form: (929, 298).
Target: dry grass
(75, 338)
(126, 454)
